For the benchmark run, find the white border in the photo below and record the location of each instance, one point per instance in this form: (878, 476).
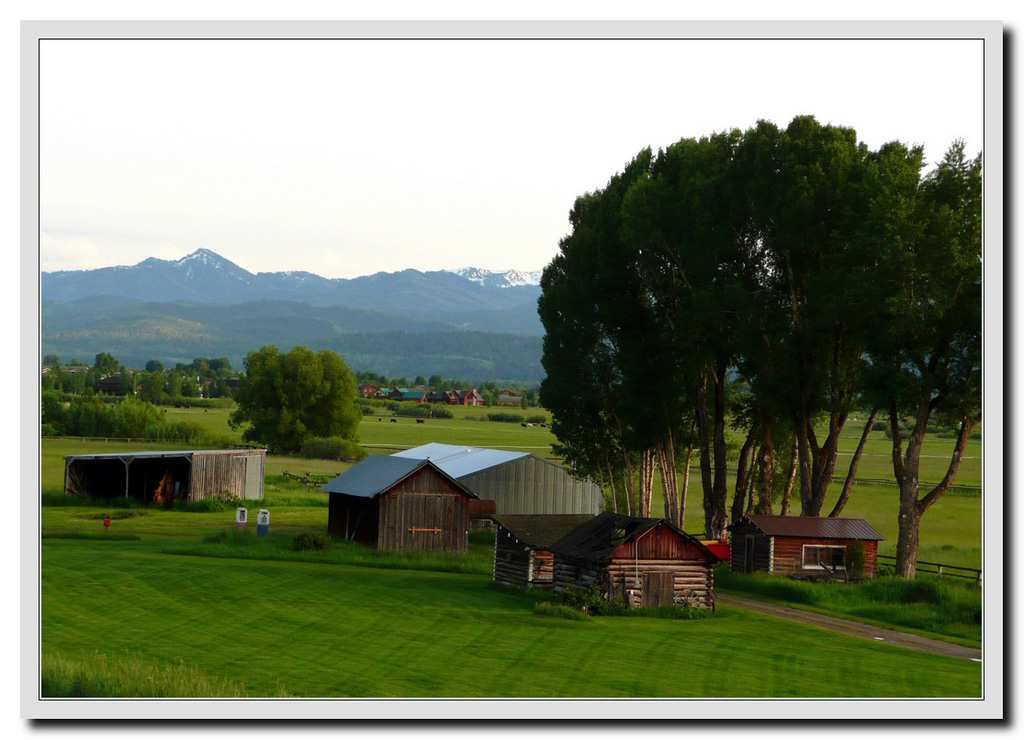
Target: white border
(991, 707)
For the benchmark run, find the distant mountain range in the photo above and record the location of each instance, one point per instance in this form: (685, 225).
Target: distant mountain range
(469, 323)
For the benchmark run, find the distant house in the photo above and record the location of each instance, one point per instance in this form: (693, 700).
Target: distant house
(395, 393)
(468, 398)
(437, 397)
(522, 547)
(368, 391)
(393, 503)
(109, 386)
(517, 482)
(413, 396)
(510, 398)
(646, 562)
(805, 546)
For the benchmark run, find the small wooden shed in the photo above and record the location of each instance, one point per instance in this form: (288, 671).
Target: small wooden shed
(394, 503)
(162, 476)
(802, 546)
(647, 562)
(522, 546)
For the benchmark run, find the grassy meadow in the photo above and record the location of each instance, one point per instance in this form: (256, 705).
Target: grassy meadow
(250, 620)
(176, 603)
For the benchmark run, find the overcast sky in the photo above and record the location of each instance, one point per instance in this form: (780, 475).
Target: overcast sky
(346, 158)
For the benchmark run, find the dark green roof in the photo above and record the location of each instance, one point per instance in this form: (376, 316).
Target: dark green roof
(539, 531)
(373, 475)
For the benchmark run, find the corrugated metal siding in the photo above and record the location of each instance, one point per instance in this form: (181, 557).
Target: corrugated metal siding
(533, 486)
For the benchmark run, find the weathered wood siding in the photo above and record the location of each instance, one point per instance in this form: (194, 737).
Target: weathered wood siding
(789, 553)
(534, 486)
(511, 560)
(762, 550)
(424, 512)
(571, 572)
(216, 474)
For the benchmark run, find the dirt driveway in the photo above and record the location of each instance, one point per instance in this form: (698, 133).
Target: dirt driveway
(856, 629)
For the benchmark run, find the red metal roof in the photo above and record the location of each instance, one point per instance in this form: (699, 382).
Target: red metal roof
(812, 526)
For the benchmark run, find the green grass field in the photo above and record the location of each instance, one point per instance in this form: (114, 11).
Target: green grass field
(254, 627)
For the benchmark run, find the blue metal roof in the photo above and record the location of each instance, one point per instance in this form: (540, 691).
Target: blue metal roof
(458, 461)
(372, 475)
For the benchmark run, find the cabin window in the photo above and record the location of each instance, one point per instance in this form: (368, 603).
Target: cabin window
(819, 557)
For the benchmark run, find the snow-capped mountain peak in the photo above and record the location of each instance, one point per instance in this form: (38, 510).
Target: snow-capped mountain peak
(499, 278)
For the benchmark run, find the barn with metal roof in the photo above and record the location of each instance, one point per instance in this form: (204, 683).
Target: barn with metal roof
(394, 503)
(517, 482)
(802, 546)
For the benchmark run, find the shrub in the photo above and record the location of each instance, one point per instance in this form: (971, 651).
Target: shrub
(332, 448)
(514, 418)
(48, 430)
(537, 419)
(310, 541)
(879, 426)
(424, 411)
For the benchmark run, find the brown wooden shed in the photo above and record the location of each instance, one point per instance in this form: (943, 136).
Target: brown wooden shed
(802, 546)
(647, 562)
(394, 503)
(522, 546)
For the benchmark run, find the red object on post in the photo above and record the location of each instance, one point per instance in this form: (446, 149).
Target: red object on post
(106, 523)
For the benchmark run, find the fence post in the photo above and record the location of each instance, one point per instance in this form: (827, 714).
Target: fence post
(939, 571)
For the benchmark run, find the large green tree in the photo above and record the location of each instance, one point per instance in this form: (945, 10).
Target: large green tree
(288, 398)
(925, 349)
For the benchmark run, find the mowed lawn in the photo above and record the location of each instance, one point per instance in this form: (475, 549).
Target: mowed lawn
(326, 630)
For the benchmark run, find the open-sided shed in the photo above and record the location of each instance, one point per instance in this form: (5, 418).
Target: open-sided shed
(162, 476)
(393, 503)
(517, 482)
(804, 546)
(647, 562)
(522, 546)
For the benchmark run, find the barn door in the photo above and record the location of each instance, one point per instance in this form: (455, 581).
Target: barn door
(658, 589)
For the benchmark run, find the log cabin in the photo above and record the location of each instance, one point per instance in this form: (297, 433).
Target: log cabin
(801, 546)
(522, 547)
(646, 562)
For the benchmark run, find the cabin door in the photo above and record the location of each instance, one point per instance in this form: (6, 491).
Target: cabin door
(658, 589)
(748, 554)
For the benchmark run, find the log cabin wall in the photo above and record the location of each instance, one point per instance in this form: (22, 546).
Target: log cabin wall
(692, 583)
(511, 560)
(424, 512)
(572, 572)
(762, 550)
(788, 553)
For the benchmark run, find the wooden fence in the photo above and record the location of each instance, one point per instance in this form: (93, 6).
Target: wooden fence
(937, 569)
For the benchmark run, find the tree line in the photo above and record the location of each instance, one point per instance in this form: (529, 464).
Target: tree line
(778, 280)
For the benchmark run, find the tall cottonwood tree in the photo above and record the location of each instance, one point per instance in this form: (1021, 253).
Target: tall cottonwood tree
(925, 349)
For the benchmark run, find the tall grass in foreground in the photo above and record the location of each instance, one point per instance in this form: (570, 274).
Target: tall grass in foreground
(943, 607)
(104, 677)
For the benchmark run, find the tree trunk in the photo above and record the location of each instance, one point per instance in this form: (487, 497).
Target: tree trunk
(628, 479)
(906, 468)
(844, 495)
(718, 519)
(739, 503)
(684, 487)
(669, 484)
(646, 482)
(790, 478)
(766, 482)
(704, 445)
